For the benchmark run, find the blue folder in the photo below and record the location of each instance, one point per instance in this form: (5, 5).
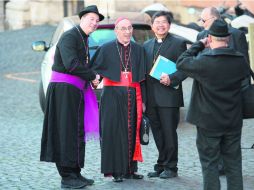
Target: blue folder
(162, 65)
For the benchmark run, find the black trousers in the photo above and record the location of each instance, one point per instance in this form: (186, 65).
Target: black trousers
(68, 172)
(214, 145)
(164, 123)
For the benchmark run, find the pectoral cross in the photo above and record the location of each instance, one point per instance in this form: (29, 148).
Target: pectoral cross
(126, 74)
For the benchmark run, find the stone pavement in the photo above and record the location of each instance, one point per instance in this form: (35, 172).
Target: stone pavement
(21, 127)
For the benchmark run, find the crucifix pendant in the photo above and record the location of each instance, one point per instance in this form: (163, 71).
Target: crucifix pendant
(126, 74)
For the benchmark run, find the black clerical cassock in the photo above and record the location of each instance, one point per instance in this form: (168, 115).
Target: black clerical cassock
(122, 69)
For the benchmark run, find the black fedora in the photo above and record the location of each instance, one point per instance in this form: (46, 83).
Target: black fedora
(91, 9)
(219, 28)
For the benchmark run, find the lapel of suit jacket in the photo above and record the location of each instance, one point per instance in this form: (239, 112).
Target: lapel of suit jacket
(150, 54)
(164, 51)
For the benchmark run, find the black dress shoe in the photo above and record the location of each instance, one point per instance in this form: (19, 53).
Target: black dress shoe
(72, 183)
(133, 176)
(137, 176)
(168, 174)
(86, 180)
(154, 174)
(117, 179)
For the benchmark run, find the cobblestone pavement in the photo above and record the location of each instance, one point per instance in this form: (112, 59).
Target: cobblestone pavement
(21, 127)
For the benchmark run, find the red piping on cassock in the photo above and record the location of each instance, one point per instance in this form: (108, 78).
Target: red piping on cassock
(126, 80)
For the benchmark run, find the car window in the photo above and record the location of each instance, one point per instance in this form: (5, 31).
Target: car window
(142, 33)
(101, 36)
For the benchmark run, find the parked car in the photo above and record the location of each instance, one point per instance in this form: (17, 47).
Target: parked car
(105, 33)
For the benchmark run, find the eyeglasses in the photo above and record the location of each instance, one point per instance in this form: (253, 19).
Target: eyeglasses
(160, 22)
(124, 29)
(203, 20)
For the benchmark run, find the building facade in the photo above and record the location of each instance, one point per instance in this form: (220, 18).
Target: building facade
(16, 14)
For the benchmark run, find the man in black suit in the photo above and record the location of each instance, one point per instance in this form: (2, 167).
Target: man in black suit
(237, 41)
(215, 106)
(164, 96)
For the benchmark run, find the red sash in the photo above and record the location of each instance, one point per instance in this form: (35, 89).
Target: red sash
(126, 80)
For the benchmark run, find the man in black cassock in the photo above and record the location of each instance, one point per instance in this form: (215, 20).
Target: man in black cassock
(64, 127)
(164, 96)
(121, 64)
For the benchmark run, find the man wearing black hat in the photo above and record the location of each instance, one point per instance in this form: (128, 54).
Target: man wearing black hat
(237, 41)
(66, 125)
(215, 106)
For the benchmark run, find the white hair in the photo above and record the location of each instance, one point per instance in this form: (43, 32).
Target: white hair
(226, 38)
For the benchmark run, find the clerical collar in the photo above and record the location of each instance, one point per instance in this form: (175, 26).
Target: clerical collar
(124, 45)
(160, 40)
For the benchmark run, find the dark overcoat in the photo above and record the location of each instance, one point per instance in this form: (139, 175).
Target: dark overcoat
(216, 94)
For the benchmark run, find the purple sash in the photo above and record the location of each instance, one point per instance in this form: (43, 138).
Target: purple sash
(91, 113)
